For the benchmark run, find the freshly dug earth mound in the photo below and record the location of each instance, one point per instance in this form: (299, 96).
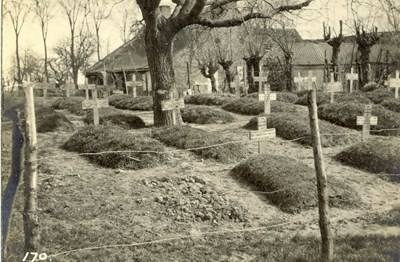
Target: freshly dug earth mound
(191, 199)
(290, 184)
(247, 106)
(110, 116)
(209, 99)
(375, 155)
(127, 102)
(185, 137)
(100, 139)
(48, 120)
(297, 125)
(392, 104)
(345, 114)
(280, 96)
(379, 95)
(72, 104)
(205, 115)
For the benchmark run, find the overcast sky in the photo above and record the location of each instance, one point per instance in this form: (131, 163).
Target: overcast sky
(308, 24)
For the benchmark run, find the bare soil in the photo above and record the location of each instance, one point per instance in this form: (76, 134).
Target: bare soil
(82, 205)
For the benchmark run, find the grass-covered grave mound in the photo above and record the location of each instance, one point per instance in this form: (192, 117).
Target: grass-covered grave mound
(127, 102)
(48, 120)
(185, 137)
(286, 97)
(205, 115)
(209, 99)
(290, 184)
(117, 142)
(248, 106)
(392, 104)
(325, 98)
(378, 154)
(345, 114)
(72, 104)
(379, 95)
(297, 126)
(111, 116)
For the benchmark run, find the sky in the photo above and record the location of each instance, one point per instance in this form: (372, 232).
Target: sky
(308, 23)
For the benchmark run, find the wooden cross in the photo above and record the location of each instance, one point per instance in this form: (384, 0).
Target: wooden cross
(87, 87)
(267, 97)
(298, 80)
(95, 104)
(44, 87)
(366, 121)
(332, 87)
(261, 134)
(310, 81)
(352, 77)
(168, 105)
(236, 85)
(261, 80)
(395, 82)
(67, 88)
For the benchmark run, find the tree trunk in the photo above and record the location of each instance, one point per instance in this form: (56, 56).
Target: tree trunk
(46, 72)
(364, 61)
(98, 44)
(288, 72)
(159, 56)
(335, 62)
(19, 75)
(213, 83)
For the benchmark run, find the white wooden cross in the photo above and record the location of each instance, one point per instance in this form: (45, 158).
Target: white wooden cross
(298, 80)
(95, 104)
(44, 87)
(261, 80)
(332, 87)
(352, 77)
(168, 105)
(310, 81)
(236, 85)
(87, 87)
(267, 97)
(395, 82)
(261, 134)
(366, 121)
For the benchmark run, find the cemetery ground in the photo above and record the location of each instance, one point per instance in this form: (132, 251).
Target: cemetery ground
(191, 208)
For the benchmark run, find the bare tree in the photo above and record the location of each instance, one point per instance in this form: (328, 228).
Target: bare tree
(31, 66)
(18, 11)
(100, 10)
(44, 10)
(76, 12)
(208, 64)
(335, 42)
(161, 30)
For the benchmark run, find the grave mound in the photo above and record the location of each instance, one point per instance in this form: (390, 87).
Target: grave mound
(48, 120)
(290, 184)
(297, 126)
(127, 102)
(111, 116)
(375, 155)
(345, 114)
(325, 98)
(191, 199)
(280, 96)
(392, 104)
(115, 139)
(72, 104)
(205, 115)
(247, 106)
(209, 99)
(185, 137)
(379, 95)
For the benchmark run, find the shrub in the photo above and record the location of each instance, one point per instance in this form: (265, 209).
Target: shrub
(286, 97)
(185, 137)
(345, 114)
(290, 183)
(209, 99)
(379, 95)
(392, 104)
(374, 155)
(292, 126)
(72, 104)
(205, 115)
(247, 106)
(101, 139)
(48, 120)
(127, 102)
(371, 86)
(110, 116)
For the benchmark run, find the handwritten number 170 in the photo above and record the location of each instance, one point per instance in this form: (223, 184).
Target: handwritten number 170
(36, 255)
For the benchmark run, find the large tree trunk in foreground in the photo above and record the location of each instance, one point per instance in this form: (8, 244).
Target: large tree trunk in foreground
(159, 56)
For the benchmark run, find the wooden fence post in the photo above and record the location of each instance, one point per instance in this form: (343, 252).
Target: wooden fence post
(31, 223)
(323, 205)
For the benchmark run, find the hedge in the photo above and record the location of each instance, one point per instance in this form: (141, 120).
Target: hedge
(101, 139)
(185, 137)
(205, 115)
(375, 155)
(290, 184)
